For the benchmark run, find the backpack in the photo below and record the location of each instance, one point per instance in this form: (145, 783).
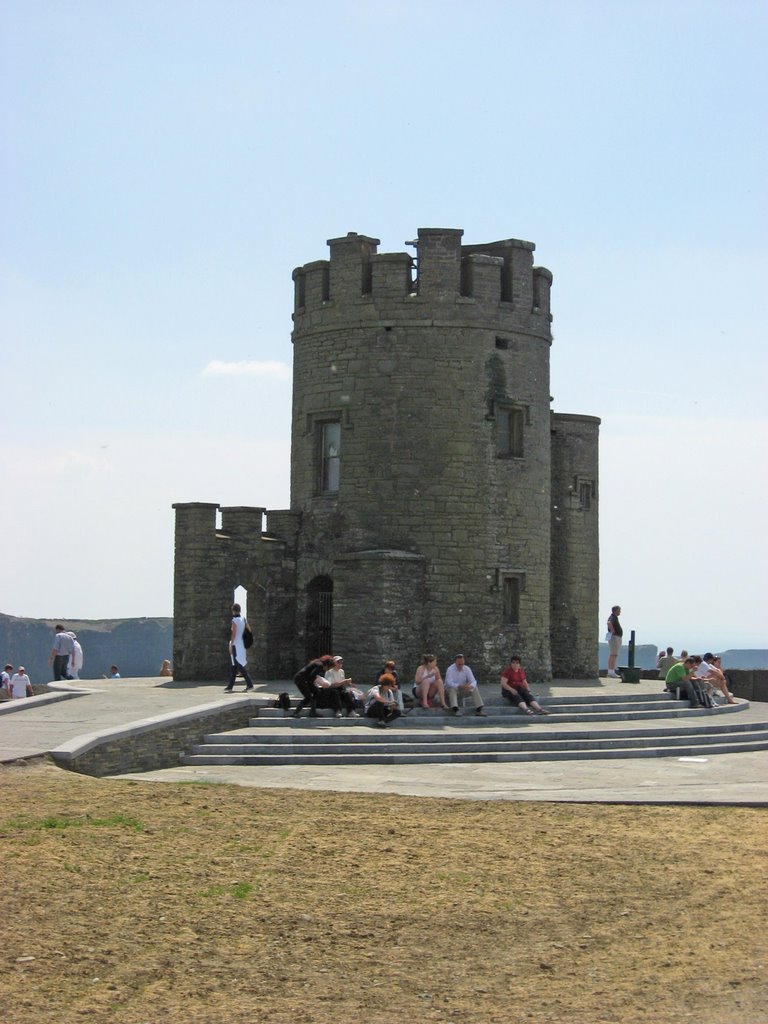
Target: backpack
(247, 637)
(283, 701)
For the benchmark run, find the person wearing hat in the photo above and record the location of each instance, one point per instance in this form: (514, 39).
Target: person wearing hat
(21, 684)
(460, 682)
(337, 677)
(76, 659)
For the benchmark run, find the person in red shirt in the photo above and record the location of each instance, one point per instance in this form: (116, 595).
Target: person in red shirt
(514, 686)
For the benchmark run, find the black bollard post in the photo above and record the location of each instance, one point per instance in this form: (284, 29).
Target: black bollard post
(631, 649)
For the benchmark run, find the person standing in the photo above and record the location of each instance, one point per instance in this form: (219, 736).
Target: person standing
(21, 685)
(5, 680)
(76, 661)
(237, 656)
(615, 633)
(63, 649)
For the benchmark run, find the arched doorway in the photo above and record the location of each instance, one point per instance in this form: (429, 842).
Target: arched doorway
(319, 622)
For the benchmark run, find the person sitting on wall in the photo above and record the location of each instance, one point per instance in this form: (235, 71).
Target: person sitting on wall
(166, 670)
(514, 687)
(680, 677)
(306, 680)
(710, 674)
(460, 682)
(337, 677)
(381, 703)
(717, 666)
(428, 683)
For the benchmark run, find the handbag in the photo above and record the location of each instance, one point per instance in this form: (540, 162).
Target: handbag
(247, 637)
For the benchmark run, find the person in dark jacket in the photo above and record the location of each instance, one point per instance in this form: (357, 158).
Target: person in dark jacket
(312, 692)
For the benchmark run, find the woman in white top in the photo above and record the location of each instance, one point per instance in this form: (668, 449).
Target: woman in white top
(237, 656)
(429, 682)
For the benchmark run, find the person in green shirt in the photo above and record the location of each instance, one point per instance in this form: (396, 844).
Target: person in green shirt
(680, 676)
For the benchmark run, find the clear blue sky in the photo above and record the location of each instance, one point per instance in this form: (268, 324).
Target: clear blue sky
(167, 164)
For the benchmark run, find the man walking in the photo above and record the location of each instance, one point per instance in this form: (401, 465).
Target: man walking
(63, 649)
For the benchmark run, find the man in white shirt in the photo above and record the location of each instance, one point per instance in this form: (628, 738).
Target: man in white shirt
(460, 682)
(21, 685)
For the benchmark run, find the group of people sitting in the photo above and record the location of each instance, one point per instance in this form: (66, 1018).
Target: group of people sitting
(323, 683)
(695, 677)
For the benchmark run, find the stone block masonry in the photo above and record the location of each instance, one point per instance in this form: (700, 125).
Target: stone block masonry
(428, 477)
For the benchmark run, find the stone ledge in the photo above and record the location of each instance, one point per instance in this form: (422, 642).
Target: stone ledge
(9, 707)
(152, 743)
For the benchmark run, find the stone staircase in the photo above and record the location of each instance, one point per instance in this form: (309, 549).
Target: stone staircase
(578, 727)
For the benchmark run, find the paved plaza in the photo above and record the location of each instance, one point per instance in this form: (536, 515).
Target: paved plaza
(35, 727)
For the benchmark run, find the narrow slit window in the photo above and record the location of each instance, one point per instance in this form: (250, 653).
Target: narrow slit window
(330, 449)
(509, 431)
(511, 598)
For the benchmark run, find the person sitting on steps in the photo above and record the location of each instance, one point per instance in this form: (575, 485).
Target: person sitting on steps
(460, 682)
(514, 686)
(306, 681)
(428, 683)
(381, 703)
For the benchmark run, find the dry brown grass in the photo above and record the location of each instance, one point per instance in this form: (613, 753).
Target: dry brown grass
(134, 900)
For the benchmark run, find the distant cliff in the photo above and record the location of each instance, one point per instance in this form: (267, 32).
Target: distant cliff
(137, 646)
(646, 654)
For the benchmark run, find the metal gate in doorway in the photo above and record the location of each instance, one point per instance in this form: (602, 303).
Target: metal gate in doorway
(319, 624)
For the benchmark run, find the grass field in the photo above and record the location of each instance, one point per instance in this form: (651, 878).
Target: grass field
(139, 903)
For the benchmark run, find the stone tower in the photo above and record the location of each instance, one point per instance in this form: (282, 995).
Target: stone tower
(436, 502)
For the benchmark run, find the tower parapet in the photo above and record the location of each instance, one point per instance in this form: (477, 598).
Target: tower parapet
(494, 282)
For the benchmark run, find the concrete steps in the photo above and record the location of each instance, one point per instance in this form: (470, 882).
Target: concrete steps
(653, 727)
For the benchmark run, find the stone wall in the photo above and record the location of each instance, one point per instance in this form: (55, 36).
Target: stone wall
(415, 372)
(434, 372)
(575, 546)
(151, 745)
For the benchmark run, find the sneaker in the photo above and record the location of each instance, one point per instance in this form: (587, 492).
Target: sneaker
(455, 711)
(353, 714)
(614, 675)
(337, 714)
(227, 689)
(248, 688)
(482, 712)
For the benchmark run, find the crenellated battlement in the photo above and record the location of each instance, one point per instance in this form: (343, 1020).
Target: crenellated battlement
(497, 278)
